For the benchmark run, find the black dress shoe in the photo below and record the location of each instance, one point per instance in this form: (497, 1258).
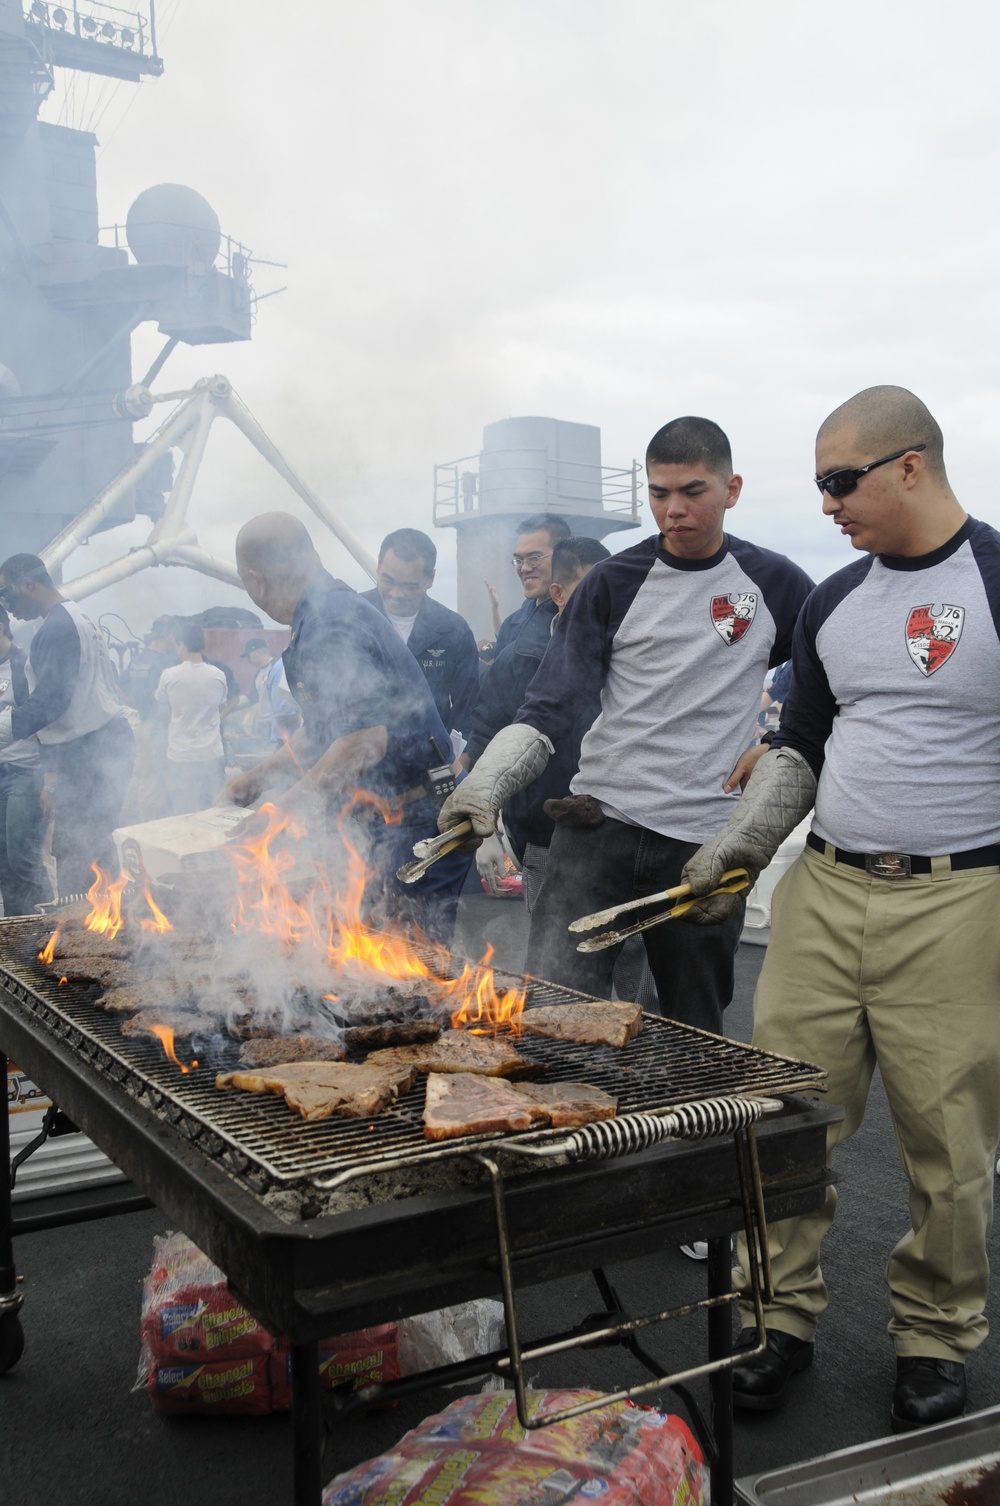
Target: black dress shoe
(927, 1391)
(760, 1383)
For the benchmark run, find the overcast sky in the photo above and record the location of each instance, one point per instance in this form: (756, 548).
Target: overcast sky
(598, 210)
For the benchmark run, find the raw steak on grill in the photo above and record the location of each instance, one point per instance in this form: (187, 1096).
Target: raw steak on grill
(318, 1089)
(567, 1104)
(466, 1104)
(600, 1023)
(461, 1103)
(461, 1051)
(283, 1048)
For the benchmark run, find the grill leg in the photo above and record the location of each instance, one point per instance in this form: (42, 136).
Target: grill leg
(307, 1425)
(11, 1337)
(720, 1345)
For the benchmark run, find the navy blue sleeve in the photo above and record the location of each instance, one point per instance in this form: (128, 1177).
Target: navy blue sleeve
(465, 682)
(575, 666)
(784, 587)
(493, 708)
(55, 662)
(808, 714)
(985, 544)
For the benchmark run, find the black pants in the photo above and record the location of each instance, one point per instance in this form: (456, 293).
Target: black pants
(92, 774)
(607, 865)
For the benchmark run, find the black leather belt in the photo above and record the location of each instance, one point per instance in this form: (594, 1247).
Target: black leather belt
(894, 865)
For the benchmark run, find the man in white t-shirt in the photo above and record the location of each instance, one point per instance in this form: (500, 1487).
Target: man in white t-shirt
(23, 880)
(195, 693)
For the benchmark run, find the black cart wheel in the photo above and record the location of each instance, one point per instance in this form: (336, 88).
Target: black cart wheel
(11, 1341)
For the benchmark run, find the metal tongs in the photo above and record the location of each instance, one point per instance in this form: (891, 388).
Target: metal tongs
(431, 848)
(732, 882)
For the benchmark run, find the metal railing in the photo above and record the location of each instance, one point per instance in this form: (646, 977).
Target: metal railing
(232, 257)
(128, 31)
(543, 484)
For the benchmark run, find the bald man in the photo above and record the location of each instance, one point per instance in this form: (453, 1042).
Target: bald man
(368, 722)
(885, 948)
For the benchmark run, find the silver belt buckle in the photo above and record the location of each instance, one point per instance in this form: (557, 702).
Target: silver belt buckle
(888, 865)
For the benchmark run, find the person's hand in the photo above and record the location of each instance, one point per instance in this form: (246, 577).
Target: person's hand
(744, 767)
(490, 856)
(242, 789)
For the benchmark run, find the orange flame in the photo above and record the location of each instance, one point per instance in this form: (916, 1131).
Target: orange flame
(333, 925)
(49, 949)
(166, 1037)
(105, 902)
(159, 921)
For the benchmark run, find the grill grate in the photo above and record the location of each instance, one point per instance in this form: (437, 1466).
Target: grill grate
(262, 1143)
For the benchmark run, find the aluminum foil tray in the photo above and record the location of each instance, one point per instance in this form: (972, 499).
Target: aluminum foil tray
(954, 1464)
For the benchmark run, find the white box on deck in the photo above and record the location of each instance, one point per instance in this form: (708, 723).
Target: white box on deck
(178, 844)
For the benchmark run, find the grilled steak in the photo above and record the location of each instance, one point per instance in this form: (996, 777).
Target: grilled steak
(465, 1104)
(280, 1049)
(86, 970)
(318, 1089)
(184, 1024)
(402, 1033)
(460, 1051)
(461, 1103)
(567, 1104)
(599, 1023)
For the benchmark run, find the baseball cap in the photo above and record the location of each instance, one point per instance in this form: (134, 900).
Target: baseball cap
(252, 644)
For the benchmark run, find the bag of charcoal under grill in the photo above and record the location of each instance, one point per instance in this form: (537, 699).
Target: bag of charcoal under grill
(201, 1350)
(475, 1453)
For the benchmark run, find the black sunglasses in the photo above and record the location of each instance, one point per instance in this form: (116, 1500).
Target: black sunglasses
(841, 482)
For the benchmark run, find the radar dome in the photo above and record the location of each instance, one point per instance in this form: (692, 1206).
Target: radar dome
(171, 225)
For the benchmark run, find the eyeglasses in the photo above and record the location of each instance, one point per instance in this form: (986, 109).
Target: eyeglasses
(841, 482)
(531, 560)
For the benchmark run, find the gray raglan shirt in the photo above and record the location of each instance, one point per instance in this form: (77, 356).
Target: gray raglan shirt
(895, 699)
(677, 650)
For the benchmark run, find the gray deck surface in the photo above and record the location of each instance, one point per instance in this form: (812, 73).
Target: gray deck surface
(73, 1434)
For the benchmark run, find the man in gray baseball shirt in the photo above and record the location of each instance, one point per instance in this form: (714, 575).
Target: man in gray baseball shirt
(674, 636)
(885, 948)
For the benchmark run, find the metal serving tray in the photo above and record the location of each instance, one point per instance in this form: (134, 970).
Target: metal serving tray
(955, 1464)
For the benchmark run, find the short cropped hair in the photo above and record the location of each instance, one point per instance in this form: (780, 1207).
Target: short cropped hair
(545, 522)
(887, 418)
(410, 544)
(691, 441)
(4, 623)
(25, 567)
(190, 635)
(572, 557)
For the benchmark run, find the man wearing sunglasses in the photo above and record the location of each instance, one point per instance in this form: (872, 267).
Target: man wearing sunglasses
(885, 948)
(74, 710)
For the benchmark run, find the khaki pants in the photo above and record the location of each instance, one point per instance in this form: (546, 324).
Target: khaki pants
(906, 974)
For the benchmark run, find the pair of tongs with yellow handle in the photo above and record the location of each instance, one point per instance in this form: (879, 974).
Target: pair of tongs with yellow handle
(431, 849)
(731, 883)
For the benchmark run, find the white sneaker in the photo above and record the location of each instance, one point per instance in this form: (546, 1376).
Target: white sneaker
(697, 1250)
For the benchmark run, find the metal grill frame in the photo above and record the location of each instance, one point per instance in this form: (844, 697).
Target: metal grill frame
(263, 1143)
(343, 1271)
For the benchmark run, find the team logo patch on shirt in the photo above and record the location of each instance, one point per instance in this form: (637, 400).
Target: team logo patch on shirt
(732, 615)
(930, 637)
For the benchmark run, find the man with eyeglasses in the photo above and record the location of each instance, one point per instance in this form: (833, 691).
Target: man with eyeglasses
(537, 536)
(674, 636)
(439, 639)
(74, 710)
(885, 948)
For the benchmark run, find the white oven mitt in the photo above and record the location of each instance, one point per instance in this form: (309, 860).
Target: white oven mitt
(6, 732)
(780, 792)
(515, 757)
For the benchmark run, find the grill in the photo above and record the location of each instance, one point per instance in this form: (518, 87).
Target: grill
(268, 1148)
(326, 1227)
